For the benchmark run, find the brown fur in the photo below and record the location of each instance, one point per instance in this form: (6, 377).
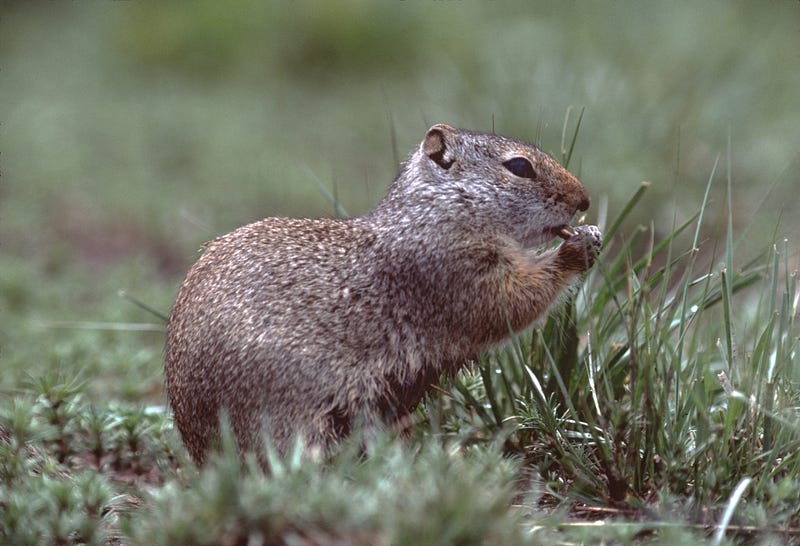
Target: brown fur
(309, 325)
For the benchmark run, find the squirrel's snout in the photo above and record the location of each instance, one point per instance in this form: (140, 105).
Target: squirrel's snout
(577, 195)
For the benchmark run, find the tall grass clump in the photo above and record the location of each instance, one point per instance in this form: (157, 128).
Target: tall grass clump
(666, 389)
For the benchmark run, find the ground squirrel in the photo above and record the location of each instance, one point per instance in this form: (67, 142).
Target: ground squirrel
(307, 326)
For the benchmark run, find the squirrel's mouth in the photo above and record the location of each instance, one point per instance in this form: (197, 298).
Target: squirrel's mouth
(564, 231)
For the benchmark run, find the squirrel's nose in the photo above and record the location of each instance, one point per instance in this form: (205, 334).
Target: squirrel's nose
(584, 203)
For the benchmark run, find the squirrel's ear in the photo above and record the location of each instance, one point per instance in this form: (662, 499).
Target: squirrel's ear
(437, 145)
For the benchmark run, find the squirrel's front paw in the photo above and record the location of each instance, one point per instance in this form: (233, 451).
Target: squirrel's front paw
(578, 253)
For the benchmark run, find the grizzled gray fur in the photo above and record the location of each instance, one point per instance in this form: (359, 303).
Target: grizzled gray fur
(307, 326)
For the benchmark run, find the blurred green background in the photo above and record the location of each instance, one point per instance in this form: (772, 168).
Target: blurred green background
(133, 131)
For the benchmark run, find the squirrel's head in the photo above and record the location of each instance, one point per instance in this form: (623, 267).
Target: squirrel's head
(499, 183)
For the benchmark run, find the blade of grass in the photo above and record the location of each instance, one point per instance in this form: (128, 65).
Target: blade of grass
(626, 210)
(729, 509)
(327, 194)
(568, 157)
(139, 303)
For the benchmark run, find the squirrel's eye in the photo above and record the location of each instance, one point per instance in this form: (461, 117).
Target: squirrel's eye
(521, 167)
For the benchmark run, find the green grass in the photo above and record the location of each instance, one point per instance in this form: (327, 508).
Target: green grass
(658, 405)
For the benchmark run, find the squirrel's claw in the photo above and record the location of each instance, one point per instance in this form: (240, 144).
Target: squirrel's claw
(579, 251)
